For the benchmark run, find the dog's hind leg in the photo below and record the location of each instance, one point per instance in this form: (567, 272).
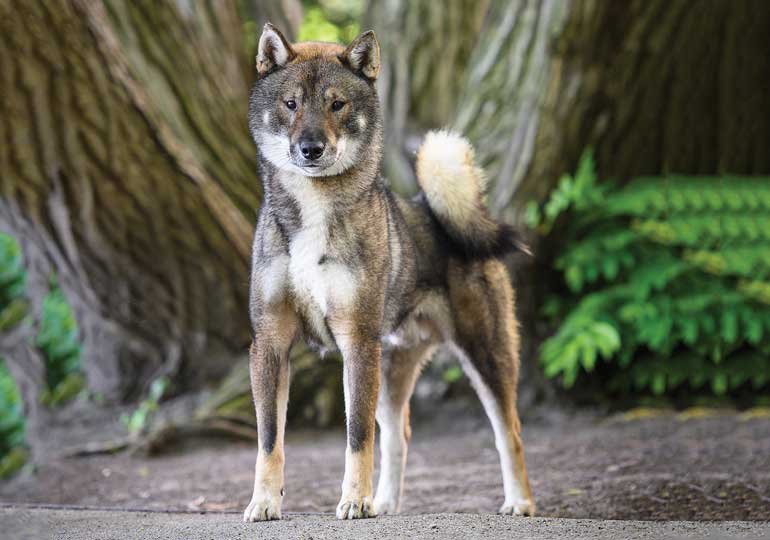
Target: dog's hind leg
(400, 369)
(488, 342)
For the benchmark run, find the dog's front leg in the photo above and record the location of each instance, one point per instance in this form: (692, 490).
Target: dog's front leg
(361, 377)
(269, 367)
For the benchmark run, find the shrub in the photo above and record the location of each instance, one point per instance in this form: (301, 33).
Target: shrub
(11, 425)
(12, 283)
(13, 309)
(57, 339)
(664, 282)
(334, 21)
(139, 419)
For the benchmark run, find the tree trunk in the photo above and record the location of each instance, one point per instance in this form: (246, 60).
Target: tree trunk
(426, 46)
(127, 168)
(654, 86)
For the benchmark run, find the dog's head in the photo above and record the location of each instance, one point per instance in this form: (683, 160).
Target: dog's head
(314, 109)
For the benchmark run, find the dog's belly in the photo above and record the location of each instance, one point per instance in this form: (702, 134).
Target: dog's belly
(429, 320)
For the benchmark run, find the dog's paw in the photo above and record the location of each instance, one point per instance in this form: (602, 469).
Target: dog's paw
(262, 508)
(518, 508)
(355, 508)
(385, 505)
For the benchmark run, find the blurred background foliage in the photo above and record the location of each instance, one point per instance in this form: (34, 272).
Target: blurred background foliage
(12, 452)
(663, 284)
(125, 232)
(57, 338)
(12, 310)
(335, 21)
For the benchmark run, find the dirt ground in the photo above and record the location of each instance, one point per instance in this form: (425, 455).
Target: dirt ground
(672, 466)
(44, 524)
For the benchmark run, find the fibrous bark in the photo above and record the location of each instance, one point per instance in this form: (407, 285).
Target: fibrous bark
(126, 167)
(654, 86)
(426, 47)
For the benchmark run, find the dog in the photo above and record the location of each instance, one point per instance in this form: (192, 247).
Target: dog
(345, 264)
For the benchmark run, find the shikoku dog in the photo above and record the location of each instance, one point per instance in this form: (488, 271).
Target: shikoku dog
(344, 263)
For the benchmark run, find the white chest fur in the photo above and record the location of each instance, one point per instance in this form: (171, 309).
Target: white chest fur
(319, 283)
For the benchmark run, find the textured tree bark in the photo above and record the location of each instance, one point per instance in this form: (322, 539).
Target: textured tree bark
(283, 14)
(127, 168)
(654, 86)
(28, 371)
(426, 46)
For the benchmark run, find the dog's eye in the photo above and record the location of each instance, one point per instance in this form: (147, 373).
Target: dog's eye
(291, 104)
(337, 105)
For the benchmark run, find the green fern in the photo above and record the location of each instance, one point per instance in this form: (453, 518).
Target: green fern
(13, 309)
(12, 417)
(57, 339)
(12, 279)
(667, 282)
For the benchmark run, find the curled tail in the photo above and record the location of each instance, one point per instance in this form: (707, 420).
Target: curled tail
(455, 188)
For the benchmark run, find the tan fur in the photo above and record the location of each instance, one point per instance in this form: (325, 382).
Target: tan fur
(483, 304)
(449, 177)
(356, 501)
(342, 262)
(455, 187)
(269, 467)
(315, 49)
(330, 52)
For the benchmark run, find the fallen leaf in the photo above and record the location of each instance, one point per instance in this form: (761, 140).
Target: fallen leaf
(196, 503)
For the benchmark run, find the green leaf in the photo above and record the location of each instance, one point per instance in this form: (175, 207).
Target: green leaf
(719, 384)
(729, 326)
(574, 278)
(532, 216)
(588, 358)
(607, 338)
(677, 267)
(452, 374)
(658, 384)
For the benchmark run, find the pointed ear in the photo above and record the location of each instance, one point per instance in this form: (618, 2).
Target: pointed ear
(274, 50)
(363, 55)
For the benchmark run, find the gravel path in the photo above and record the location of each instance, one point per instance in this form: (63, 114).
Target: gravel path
(674, 467)
(26, 524)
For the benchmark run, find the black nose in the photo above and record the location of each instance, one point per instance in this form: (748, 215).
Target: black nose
(311, 149)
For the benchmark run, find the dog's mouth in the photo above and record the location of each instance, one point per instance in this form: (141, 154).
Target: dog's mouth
(316, 169)
(322, 167)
